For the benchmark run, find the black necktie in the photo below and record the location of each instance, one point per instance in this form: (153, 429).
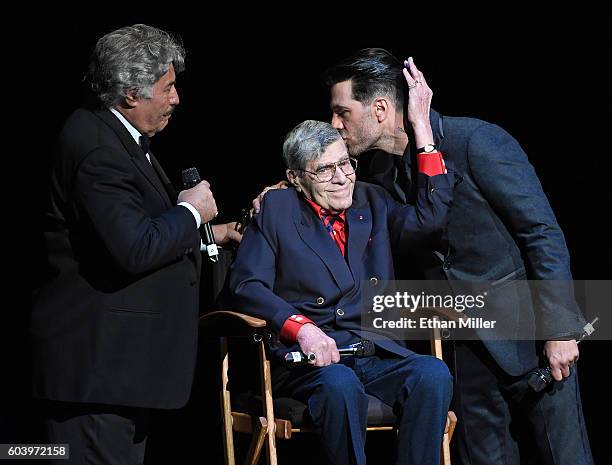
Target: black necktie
(145, 143)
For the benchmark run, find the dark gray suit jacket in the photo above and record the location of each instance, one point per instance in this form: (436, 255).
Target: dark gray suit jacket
(501, 230)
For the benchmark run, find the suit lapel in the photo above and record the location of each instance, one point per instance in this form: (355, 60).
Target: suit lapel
(138, 157)
(359, 219)
(164, 178)
(316, 237)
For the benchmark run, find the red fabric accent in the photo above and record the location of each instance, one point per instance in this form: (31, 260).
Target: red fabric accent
(338, 226)
(292, 326)
(431, 163)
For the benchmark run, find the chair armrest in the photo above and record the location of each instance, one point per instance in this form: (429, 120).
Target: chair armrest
(228, 323)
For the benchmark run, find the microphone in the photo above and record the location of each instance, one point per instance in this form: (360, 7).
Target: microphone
(542, 377)
(191, 178)
(363, 348)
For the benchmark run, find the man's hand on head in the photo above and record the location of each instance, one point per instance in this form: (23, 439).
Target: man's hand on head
(419, 103)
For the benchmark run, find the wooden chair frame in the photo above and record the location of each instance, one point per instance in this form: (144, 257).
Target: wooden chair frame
(266, 429)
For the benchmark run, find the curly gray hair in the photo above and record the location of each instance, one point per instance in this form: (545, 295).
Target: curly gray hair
(133, 57)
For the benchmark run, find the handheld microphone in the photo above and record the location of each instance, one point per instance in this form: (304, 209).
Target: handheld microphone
(191, 178)
(363, 348)
(542, 377)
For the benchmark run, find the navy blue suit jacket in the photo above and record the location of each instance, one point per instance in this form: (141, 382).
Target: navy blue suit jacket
(287, 262)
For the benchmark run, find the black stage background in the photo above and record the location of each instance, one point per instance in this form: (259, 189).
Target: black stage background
(252, 76)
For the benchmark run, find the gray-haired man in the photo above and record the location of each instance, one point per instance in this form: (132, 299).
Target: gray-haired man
(115, 326)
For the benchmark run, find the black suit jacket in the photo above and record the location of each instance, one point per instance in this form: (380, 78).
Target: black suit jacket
(116, 321)
(501, 230)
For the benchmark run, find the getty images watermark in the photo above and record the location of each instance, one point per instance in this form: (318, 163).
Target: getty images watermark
(403, 302)
(504, 309)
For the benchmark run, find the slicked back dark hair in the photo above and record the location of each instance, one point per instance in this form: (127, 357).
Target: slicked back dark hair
(372, 72)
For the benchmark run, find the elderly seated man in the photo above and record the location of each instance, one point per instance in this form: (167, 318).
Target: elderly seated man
(301, 267)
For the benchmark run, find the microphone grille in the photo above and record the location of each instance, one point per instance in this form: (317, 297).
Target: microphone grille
(367, 348)
(190, 177)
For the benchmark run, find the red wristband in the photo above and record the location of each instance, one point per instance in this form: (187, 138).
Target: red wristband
(431, 163)
(292, 326)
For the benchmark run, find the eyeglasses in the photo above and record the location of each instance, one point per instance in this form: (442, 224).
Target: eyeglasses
(327, 172)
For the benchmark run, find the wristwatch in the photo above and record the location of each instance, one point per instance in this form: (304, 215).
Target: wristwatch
(427, 149)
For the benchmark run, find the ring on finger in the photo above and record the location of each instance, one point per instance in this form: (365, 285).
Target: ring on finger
(416, 83)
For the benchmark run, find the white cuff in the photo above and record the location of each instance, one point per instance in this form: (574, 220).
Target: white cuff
(194, 212)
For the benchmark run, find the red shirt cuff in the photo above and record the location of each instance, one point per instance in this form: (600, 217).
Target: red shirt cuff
(431, 163)
(292, 326)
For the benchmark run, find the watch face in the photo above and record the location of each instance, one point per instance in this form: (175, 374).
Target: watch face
(429, 148)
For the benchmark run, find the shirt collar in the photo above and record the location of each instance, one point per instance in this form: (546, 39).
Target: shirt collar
(320, 211)
(135, 133)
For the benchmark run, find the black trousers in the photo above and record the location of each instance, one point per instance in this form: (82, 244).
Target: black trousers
(502, 421)
(97, 434)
